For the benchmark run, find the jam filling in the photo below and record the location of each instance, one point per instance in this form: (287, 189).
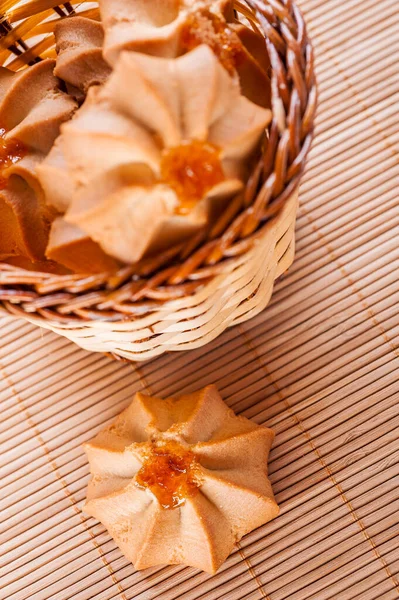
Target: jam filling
(191, 170)
(204, 27)
(11, 151)
(171, 473)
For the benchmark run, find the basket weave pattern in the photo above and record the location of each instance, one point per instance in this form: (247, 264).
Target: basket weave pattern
(188, 295)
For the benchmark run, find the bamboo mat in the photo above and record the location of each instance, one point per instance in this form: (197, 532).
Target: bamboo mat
(320, 366)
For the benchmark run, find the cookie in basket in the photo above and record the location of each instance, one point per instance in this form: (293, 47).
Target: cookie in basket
(32, 108)
(157, 152)
(180, 276)
(159, 147)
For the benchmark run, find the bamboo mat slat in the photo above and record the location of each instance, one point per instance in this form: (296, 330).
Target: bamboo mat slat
(320, 366)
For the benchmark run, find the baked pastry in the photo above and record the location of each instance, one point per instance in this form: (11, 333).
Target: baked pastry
(157, 151)
(169, 28)
(32, 108)
(70, 246)
(180, 481)
(153, 27)
(80, 62)
(238, 48)
(159, 147)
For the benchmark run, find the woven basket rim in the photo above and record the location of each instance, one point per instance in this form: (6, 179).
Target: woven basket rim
(181, 271)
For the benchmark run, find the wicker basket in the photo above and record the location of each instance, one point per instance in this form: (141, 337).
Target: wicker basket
(187, 296)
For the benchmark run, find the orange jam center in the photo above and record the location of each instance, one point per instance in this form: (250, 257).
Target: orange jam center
(191, 170)
(170, 472)
(11, 151)
(204, 27)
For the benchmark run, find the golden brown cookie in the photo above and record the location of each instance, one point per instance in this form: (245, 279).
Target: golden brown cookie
(180, 481)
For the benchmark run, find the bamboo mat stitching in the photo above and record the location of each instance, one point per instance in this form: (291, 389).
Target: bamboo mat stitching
(53, 464)
(352, 89)
(252, 572)
(369, 311)
(390, 343)
(330, 474)
(144, 383)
